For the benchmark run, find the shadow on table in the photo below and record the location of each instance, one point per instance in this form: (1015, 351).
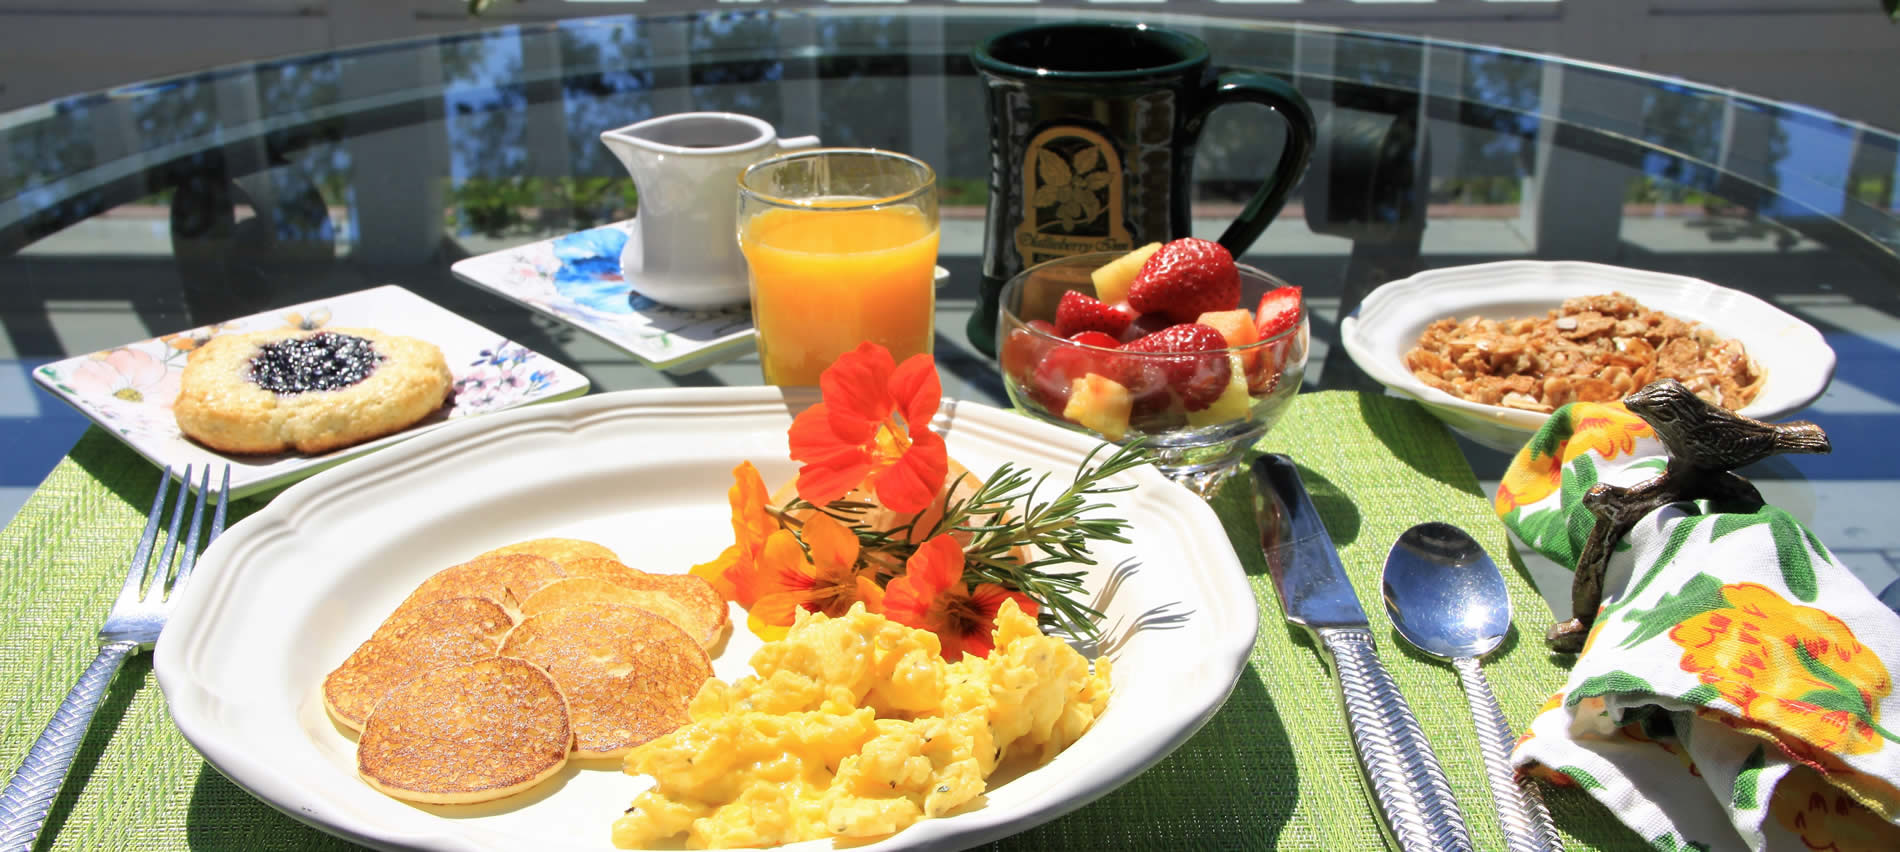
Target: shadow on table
(1233, 784)
(1235, 505)
(222, 816)
(136, 674)
(1418, 440)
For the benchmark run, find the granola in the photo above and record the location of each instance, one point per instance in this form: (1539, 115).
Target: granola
(1593, 349)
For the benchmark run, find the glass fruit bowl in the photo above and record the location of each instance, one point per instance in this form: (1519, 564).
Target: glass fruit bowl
(1197, 412)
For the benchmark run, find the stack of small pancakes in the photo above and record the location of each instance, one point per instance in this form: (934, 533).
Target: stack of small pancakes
(492, 673)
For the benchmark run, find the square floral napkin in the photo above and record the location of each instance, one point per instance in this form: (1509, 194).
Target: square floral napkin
(1736, 690)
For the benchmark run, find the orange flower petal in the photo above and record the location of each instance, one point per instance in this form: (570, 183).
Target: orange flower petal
(714, 572)
(832, 467)
(777, 609)
(834, 547)
(990, 597)
(977, 643)
(911, 483)
(914, 599)
(765, 631)
(781, 567)
(870, 594)
(917, 391)
(856, 392)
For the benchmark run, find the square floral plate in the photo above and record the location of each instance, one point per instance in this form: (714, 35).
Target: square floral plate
(129, 390)
(288, 593)
(576, 278)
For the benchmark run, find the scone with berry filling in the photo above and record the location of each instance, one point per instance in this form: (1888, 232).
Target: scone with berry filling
(311, 391)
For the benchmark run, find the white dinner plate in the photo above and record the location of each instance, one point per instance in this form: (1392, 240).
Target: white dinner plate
(1797, 359)
(285, 595)
(128, 390)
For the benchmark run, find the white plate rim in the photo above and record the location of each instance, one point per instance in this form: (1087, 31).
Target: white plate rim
(1794, 381)
(1234, 614)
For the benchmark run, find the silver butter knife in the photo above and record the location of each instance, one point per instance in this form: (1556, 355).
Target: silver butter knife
(1416, 806)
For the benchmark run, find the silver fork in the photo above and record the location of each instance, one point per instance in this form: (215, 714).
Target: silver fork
(132, 626)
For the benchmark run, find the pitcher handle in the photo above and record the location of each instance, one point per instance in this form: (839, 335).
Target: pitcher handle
(1236, 86)
(797, 142)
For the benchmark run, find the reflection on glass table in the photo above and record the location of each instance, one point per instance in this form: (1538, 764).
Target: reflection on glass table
(160, 206)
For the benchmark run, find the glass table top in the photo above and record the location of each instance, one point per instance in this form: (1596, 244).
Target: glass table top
(164, 205)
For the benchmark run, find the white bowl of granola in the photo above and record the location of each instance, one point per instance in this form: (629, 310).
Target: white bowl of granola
(1492, 348)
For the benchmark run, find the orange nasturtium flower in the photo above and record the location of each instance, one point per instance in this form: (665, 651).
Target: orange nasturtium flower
(751, 525)
(873, 431)
(931, 595)
(785, 581)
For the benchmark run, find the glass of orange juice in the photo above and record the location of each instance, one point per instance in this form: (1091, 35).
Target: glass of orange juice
(841, 248)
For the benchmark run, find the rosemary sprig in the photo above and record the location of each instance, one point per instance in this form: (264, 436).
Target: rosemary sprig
(1008, 524)
(1005, 525)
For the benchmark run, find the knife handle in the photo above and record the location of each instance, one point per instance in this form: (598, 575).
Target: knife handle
(1413, 796)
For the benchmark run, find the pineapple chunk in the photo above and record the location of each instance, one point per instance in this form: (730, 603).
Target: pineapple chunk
(1234, 403)
(1238, 328)
(1102, 404)
(1112, 279)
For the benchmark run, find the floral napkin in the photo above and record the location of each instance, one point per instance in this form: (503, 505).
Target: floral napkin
(1735, 691)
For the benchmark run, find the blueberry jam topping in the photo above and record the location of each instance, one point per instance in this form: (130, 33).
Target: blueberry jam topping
(323, 361)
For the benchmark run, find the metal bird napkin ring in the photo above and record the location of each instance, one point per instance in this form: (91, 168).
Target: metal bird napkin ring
(1705, 442)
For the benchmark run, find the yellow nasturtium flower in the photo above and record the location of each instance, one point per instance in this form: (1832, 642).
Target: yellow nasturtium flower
(1608, 429)
(1794, 669)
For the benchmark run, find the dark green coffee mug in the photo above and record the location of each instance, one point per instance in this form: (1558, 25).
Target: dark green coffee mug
(1092, 134)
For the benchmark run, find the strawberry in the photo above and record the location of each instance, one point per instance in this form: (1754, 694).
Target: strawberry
(1079, 312)
(1051, 378)
(1202, 371)
(1145, 325)
(1279, 311)
(1097, 338)
(1186, 278)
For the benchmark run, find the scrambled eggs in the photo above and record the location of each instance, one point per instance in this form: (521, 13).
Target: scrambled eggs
(856, 727)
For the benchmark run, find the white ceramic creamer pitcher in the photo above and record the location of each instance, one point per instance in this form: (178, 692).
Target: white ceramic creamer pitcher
(686, 167)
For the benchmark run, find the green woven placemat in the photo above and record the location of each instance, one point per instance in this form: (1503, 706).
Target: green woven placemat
(1272, 769)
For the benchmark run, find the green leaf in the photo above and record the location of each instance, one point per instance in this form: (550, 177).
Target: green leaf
(1546, 531)
(1826, 674)
(1618, 681)
(1657, 465)
(1584, 779)
(1556, 430)
(1843, 696)
(1701, 694)
(1791, 539)
(1892, 8)
(1746, 795)
(1701, 594)
(1579, 476)
(1669, 843)
(1678, 539)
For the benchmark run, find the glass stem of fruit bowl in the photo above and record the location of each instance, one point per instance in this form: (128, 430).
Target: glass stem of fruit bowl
(1203, 469)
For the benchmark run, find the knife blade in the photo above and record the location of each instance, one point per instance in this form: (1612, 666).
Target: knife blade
(1416, 807)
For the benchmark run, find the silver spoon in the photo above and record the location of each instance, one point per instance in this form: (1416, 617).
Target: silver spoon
(1446, 598)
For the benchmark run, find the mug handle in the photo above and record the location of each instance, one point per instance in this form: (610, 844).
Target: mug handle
(1255, 87)
(797, 142)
